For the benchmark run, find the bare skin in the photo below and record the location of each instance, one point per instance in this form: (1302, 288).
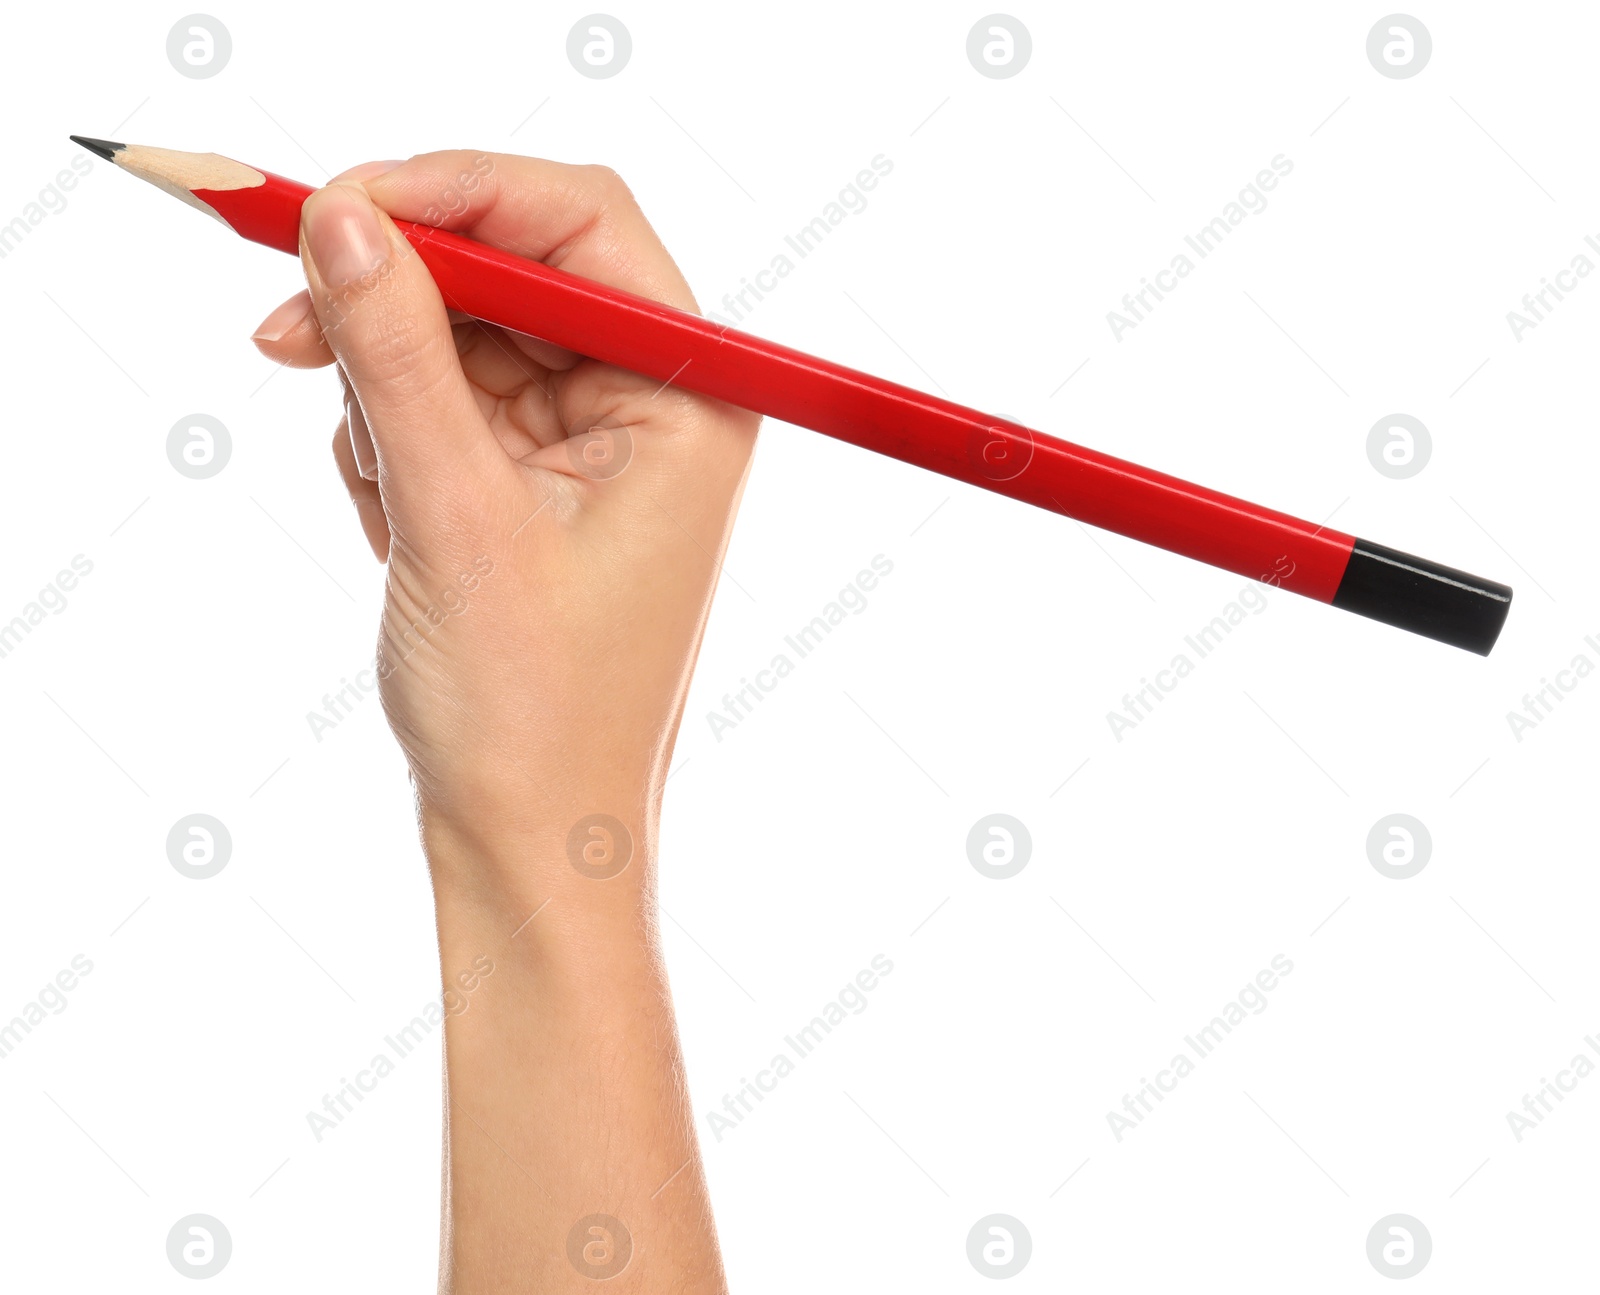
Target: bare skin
(547, 589)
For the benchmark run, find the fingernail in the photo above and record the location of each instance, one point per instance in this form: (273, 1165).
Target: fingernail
(284, 319)
(367, 171)
(343, 234)
(360, 438)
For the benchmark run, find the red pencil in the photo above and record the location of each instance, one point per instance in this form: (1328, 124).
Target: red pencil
(673, 346)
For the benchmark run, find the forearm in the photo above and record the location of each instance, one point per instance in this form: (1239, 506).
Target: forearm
(565, 1090)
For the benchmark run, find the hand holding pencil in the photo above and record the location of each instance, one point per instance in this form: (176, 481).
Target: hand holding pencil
(585, 506)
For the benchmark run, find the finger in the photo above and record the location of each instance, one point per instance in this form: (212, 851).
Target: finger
(691, 435)
(360, 436)
(580, 218)
(363, 494)
(365, 171)
(547, 354)
(494, 365)
(382, 315)
(292, 336)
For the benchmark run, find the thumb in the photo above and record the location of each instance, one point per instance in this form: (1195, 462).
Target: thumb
(382, 315)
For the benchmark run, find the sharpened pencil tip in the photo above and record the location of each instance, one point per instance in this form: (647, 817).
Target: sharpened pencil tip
(100, 147)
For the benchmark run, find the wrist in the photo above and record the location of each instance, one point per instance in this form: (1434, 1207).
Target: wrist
(581, 860)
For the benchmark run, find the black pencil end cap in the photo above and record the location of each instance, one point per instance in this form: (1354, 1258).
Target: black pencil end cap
(1424, 597)
(99, 147)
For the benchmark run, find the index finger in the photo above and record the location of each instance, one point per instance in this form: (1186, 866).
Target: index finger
(582, 219)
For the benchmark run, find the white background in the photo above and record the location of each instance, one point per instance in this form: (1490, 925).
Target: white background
(1167, 869)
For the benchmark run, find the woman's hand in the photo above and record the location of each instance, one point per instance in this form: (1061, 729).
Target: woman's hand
(553, 525)
(554, 529)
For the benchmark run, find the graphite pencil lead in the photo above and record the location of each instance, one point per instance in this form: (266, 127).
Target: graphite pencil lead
(100, 147)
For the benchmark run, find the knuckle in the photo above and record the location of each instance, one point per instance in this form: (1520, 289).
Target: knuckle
(389, 343)
(403, 362)
(611, 188)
